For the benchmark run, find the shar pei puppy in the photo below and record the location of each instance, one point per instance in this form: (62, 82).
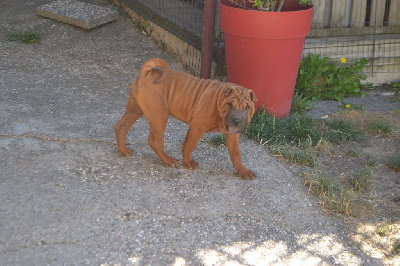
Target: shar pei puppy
(206, 105)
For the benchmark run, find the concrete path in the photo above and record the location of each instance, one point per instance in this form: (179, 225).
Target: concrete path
(67, 198)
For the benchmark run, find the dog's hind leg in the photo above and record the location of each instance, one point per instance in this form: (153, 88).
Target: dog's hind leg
(157, 118)
(132, 113)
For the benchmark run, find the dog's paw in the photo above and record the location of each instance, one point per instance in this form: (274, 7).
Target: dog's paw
(170, 161)
(125, 152)
(246, 173)
(190, 164)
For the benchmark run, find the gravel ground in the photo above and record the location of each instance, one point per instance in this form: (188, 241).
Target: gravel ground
(67, 198)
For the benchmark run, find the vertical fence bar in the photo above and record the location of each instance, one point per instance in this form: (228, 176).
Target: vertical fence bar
(207, 40)
(375, 20)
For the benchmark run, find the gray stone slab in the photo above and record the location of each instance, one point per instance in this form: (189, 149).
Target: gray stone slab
(78, 13)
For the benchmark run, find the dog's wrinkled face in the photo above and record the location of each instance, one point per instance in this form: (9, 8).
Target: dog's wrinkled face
(236, 107)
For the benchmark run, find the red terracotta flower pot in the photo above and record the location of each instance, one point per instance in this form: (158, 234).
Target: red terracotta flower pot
(263, 51)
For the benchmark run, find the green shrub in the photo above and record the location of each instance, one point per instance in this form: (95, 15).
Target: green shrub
(321, 79)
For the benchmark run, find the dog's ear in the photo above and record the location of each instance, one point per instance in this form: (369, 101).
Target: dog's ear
(253, 96)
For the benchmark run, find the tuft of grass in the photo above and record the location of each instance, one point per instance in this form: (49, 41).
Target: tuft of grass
(342, 131)
(353, 152)
(27, 37)
(396, 88)
(333, 197)
(379, 127)
(217, 140)
(302, 156)
(385, 229)
(299, 104)
(361, 180)
(371, 162)
(295, 129)
(396, 246)
(394, 163)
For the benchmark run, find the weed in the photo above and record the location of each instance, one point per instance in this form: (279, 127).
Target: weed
(361, 180)
(319, 184)
(343, 131)
(299, 104)
(371, 162)
(25, 37)
(379, 127)
(217, 140)
(396, 88)
(353, 153)
(333, 198)
(299, 155)
(353, 106)
(266, 129)
(385, 229)
(340, 202)
(321, 79)
(396, 246)
(394, 163)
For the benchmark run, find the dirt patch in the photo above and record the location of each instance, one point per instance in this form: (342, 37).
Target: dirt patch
(374, 221)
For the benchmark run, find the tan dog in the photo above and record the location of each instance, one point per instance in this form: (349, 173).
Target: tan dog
(206, 105)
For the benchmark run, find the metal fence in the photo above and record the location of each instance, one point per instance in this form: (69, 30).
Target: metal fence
(183, 18)
(353, 29)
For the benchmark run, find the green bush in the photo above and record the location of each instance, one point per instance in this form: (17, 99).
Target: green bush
(321, 79)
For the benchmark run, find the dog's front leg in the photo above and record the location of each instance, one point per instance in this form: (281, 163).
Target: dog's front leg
(232, 142)
(192, 137)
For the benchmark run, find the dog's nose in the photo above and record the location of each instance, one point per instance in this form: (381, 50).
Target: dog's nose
(237, 120)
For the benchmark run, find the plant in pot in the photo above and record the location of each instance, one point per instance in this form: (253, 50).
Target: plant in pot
(263, 45)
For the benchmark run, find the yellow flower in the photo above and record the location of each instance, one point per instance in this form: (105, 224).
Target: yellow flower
(343, 60)
(347, 106)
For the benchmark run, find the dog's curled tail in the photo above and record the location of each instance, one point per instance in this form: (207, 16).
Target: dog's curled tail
(152, 64)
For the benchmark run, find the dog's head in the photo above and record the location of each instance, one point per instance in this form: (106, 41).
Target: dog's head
(236, 107)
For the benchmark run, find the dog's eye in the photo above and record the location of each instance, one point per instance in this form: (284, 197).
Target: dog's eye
(230, 105)
(247, 107)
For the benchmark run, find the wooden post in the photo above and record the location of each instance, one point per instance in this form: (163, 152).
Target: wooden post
(338, 13)
(347, 18)
(318, 17)
(377, 13)
(327, 14)
(358, 13)
(394, 12)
